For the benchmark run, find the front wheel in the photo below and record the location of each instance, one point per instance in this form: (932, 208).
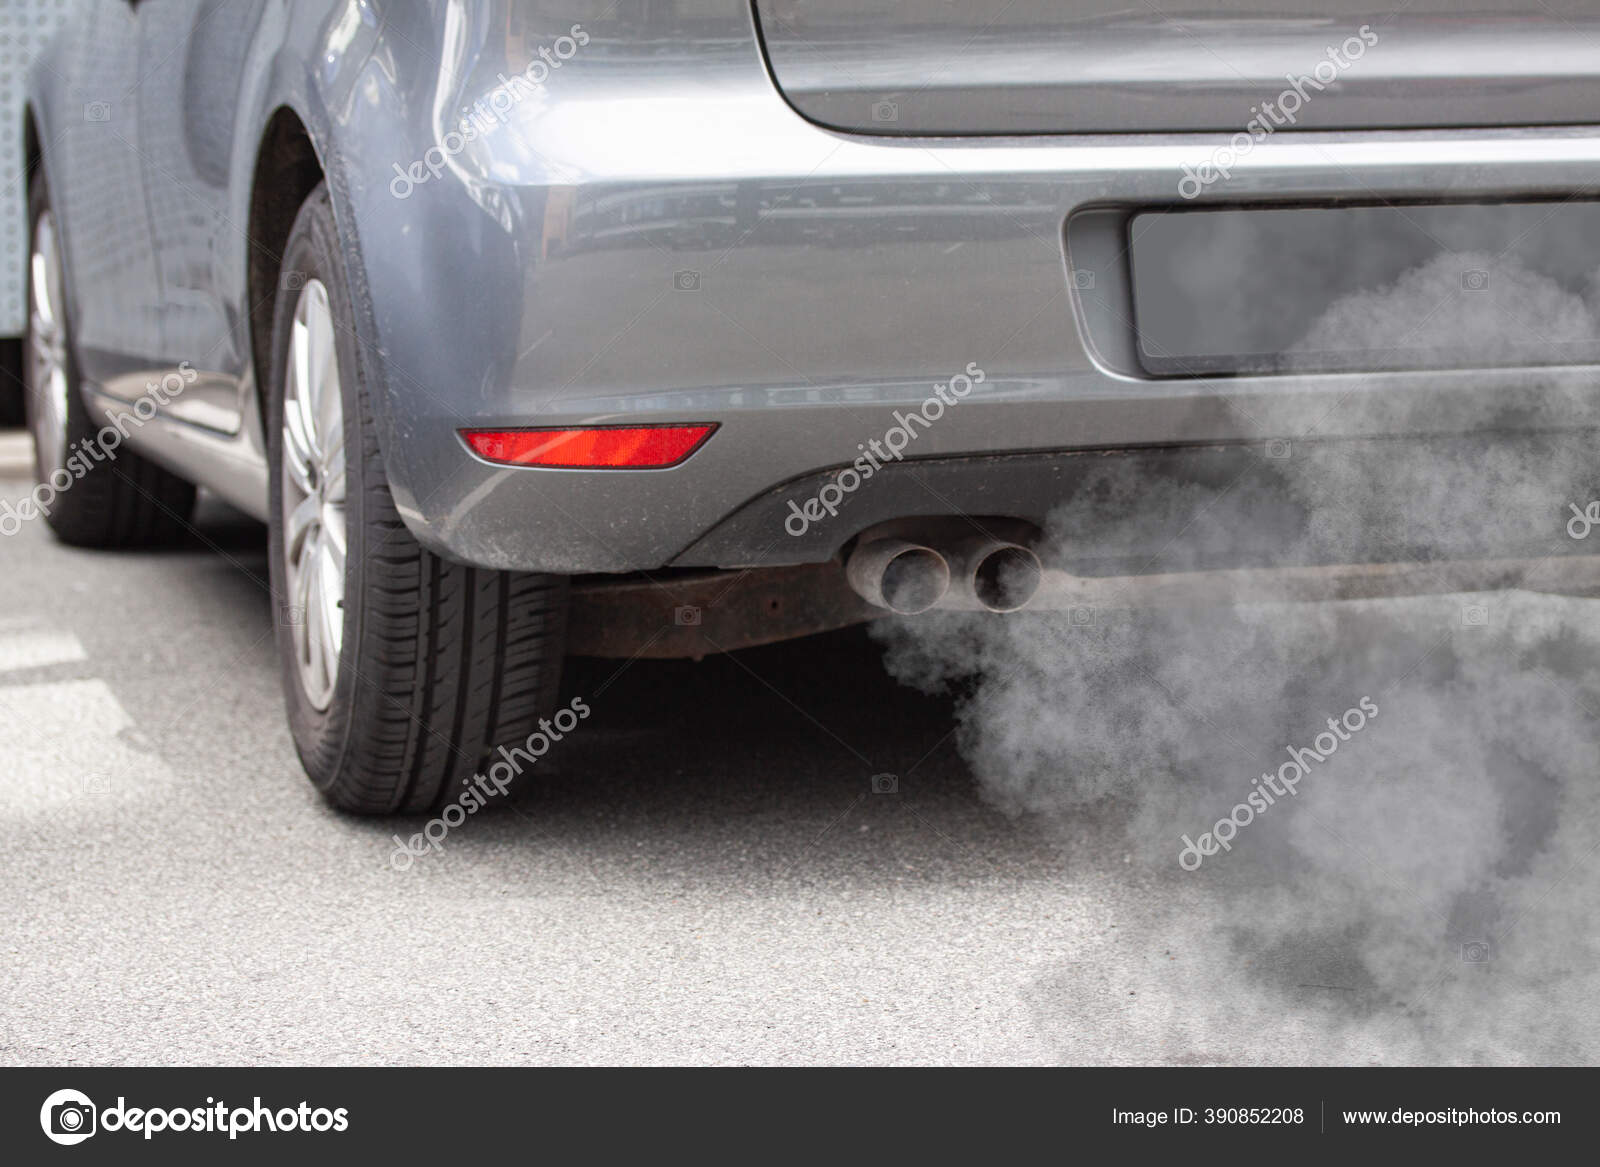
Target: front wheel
(402, 670)
(94, 491)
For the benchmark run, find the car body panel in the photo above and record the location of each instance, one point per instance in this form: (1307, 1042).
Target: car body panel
(1105, 66)
(194, 56)
(295, 56)
(653, 234)
(91, 133)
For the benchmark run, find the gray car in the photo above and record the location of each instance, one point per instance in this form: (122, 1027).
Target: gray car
(657, 329)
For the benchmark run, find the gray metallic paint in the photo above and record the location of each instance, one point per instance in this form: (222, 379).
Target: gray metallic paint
(840, 276)
(1098, 66)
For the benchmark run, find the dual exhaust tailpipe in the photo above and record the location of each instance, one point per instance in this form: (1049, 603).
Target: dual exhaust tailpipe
(975, 574)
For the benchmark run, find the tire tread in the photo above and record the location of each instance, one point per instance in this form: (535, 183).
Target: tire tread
(450, 662)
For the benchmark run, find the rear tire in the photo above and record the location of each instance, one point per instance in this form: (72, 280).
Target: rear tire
(115, 499)
(425, 665)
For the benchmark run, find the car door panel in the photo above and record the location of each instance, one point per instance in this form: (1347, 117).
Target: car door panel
(99, 200)
(193, 54)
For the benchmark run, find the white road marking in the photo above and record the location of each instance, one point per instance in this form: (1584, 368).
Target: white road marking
(66, 753)
(27, 646)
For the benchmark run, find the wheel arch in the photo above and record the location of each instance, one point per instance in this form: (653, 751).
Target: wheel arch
(32, 153)
(287, 169)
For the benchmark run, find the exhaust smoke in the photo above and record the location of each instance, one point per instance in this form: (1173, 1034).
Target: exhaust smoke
(1424, 894)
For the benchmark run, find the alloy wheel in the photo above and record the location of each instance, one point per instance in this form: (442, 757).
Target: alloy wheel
(314, 543)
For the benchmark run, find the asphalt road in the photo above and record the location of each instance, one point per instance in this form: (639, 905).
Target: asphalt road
(703, 875)
(710, 880)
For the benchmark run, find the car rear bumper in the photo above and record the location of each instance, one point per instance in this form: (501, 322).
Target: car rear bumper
(668, 241)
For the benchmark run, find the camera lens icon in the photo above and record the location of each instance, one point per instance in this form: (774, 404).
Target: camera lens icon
(885, 784)
(885, 111)
(686, 281)
(68, 1117)
(1475, 281)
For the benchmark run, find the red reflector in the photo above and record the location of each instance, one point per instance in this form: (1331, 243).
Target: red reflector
(633, 447)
